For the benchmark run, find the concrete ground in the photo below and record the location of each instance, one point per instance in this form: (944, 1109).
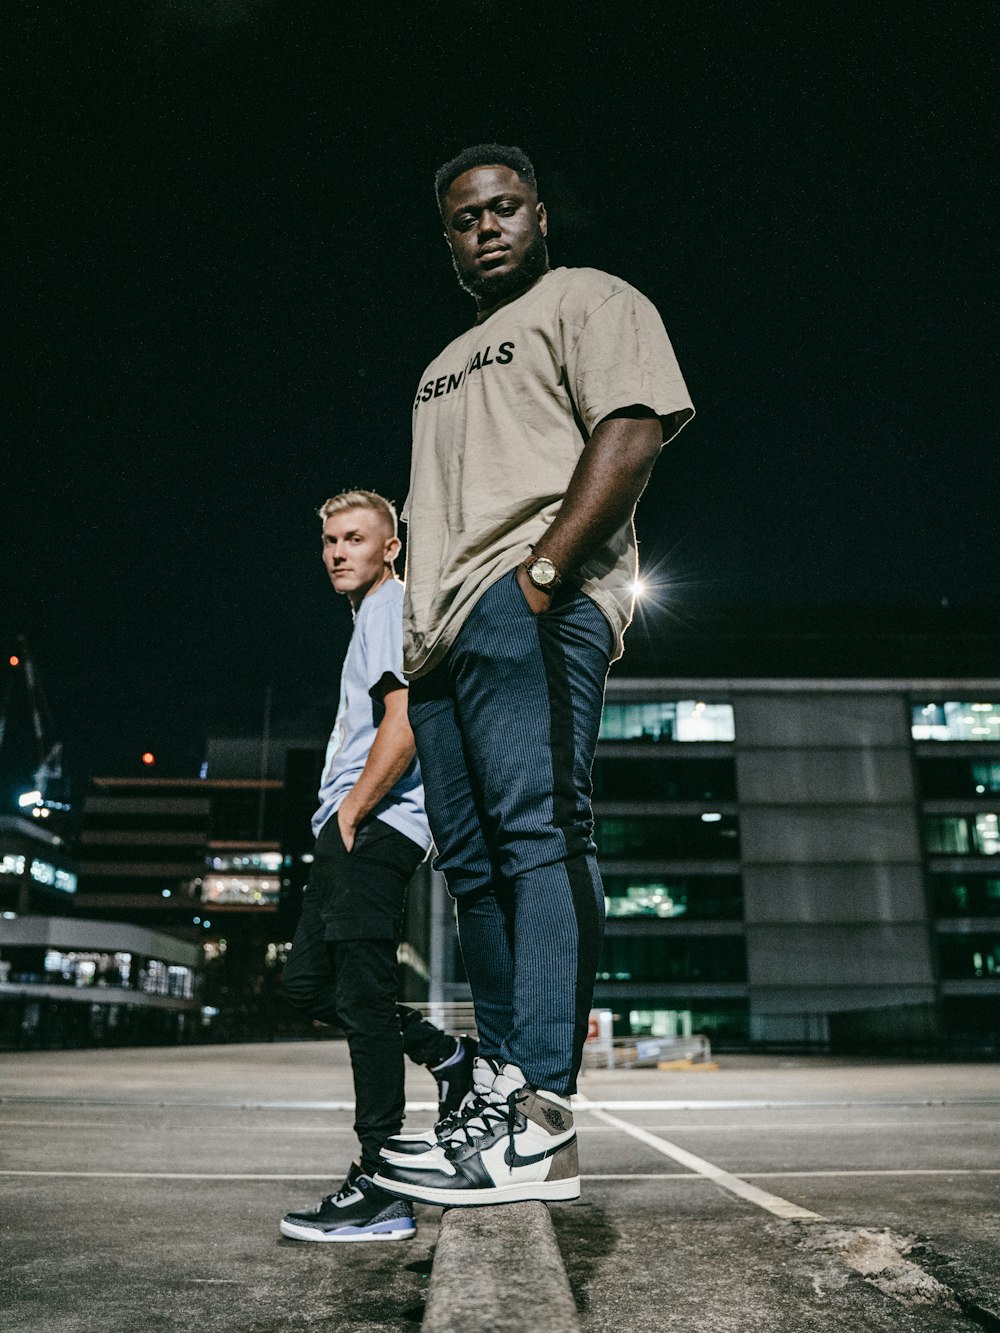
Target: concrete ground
(142, 1190)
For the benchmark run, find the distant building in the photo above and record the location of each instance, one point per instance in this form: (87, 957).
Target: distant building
(67, 982)
(796, 861)
(161, 849)
(37, 867)
(142, 843)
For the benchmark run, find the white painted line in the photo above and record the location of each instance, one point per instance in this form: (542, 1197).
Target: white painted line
(602, 1104)
(779, 1175)
(769, 1202)
(686, 1127)
(278, 1130)
(159, 1175)
(780, 1126)
(713, 1175)
(876, 1171)
(644, 1175)
(166, 1104)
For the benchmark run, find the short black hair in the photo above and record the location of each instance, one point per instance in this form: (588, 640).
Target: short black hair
(483, 155)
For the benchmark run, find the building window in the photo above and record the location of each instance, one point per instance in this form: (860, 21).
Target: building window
(659, 778)
(660, 1022)
(951, 778)
(52, 877)
(688, 958)
(707, 898)
(677, 837)
(969, 957)
(956, 721)
(241, 890)
(688, 720)
(269, 862)
(963, 835)
(966, 895)
(717, 1019)
(75, 968)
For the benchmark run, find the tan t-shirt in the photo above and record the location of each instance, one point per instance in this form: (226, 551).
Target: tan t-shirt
(499, 422)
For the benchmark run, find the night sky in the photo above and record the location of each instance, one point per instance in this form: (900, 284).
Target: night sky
(225, 275)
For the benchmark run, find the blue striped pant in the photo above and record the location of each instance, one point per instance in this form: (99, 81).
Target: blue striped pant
(506, 727)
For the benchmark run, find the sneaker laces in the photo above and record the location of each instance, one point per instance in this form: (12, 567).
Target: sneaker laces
(469, 1106)
(484, 1118)
(349, 1187)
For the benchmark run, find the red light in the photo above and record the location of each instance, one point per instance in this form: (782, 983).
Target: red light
(14, 660)
(149, 758)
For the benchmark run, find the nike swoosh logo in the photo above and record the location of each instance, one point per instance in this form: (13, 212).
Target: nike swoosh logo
(513, 1158)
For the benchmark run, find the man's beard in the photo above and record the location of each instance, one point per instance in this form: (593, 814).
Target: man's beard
(494, 289)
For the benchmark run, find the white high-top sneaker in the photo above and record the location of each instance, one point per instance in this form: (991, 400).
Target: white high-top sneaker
(404, 1146)
(519, 1143)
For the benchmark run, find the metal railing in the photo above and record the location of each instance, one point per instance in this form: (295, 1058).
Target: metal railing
(598, 1053)
(644, 1052)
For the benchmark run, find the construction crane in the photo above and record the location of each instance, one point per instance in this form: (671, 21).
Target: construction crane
(49, 773)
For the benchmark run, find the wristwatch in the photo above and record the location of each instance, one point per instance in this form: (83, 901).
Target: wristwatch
(542, 572)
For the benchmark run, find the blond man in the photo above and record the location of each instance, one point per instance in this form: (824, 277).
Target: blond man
(371, 834)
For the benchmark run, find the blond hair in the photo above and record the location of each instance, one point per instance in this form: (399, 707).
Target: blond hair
(361, 500)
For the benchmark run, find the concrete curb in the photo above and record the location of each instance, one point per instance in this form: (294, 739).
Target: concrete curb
(498, 1269)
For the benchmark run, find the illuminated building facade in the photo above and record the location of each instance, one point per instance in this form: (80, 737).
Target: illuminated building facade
(69, 982)
(37, 868)
(796, 862)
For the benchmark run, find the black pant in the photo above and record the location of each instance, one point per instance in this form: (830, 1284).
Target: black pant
(353, 983)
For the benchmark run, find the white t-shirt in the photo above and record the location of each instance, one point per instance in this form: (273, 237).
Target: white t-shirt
(376, 650)
(499, 423)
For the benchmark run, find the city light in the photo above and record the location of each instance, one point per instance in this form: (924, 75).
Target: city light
(14, 660)
(148, 758)
(30, 798)
(711, 818)
(652, 589)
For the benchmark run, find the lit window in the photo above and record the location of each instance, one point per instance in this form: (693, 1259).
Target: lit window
(686, 720)
(956, 721)
(269, 862)
(987, 835)
(969, 957)
(660, 1022)
(947, 835)
(963, 835)
(242, 890)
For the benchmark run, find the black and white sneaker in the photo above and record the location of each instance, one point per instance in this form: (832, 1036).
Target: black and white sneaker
(358, 1211)
(403, 1145)
(454, 1076)
(518, 1144)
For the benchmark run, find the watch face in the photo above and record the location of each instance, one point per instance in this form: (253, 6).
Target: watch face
(543, 572)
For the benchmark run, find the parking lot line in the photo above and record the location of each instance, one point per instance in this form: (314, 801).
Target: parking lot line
(620, 1175)
(600, 1103)
(771, 1203)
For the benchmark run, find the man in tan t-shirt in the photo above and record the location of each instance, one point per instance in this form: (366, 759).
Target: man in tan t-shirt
(534, 434)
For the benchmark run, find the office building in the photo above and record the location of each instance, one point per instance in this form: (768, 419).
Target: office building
(796, 862)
